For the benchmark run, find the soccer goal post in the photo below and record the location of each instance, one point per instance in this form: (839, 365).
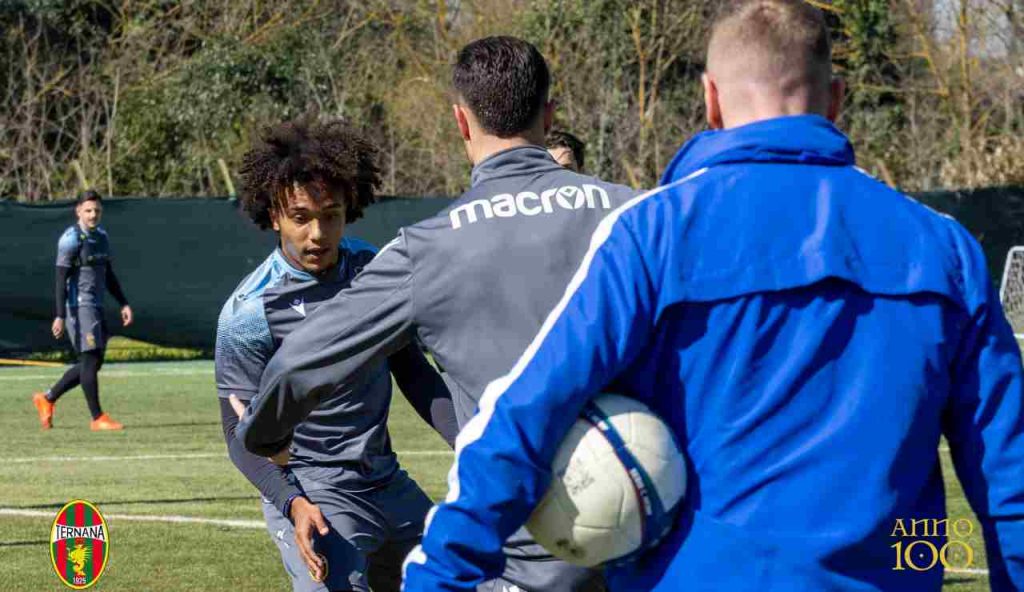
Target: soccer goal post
(1011, 290)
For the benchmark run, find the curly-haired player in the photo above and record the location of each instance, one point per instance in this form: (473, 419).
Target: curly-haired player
(341, 511)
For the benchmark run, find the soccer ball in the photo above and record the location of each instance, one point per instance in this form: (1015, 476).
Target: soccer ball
(617, 479)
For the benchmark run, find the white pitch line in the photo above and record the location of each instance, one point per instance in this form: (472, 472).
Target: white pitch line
(968, 571)
(113, 374)
(38, 459)
(255, 524)
(143, 518)
(184, 456)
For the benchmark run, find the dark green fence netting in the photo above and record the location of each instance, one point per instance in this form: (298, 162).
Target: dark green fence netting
(177, 259)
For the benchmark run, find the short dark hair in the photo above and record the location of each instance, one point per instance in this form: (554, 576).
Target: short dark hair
(504, 81)
(88, 195)
(563, 139)
(316, 156)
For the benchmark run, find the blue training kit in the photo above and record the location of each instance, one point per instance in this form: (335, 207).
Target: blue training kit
(84, 274)
(809, 334)
(340, 457)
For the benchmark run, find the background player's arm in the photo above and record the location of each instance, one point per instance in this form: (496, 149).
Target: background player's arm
(67, 253)
(61, 296)
(984, 424)
(425, 390)
(362, 325)
(61, 291)
(504, 453)
(115, 290)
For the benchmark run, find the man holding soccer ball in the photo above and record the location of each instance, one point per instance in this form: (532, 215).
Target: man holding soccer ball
(808, 333)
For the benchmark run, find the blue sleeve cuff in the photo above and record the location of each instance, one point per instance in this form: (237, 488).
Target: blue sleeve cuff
(287, 507)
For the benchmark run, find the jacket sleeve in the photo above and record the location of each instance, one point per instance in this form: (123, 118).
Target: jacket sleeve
(504, 454)
(984, 425)
(425, 390)
(361, 325)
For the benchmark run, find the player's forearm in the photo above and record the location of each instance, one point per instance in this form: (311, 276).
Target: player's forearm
(115, 286)
(283, 403)
(271, 480)
(61, 290)
(425, 390)
(331, 350)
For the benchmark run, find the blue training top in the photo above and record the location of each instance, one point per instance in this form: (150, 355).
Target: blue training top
(809, 334)
(345, 441)
(87, 254)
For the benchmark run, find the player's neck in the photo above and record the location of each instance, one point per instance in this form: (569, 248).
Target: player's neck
(488, 146)
(326, 272)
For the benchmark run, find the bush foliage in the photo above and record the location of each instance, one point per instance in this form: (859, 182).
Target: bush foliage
(144, 97)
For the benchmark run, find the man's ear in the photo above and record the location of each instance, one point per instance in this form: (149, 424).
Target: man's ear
(837, 91)
(549, 116)
(712, 107)
(275, 218)
(462, 120)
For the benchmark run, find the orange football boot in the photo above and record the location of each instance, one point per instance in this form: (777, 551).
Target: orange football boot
(104, 423)
(45, 409)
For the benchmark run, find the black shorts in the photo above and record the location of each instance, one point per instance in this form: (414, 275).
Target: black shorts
(86, 328)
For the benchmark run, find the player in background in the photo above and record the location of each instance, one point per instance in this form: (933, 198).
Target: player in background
(566, 149)
(342, 484)
(84, 274)
(473, 282)
(808, 333)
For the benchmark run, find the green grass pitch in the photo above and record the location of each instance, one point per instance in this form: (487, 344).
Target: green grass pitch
(170, 463)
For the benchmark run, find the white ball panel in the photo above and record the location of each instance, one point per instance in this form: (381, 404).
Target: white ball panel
(592, 513)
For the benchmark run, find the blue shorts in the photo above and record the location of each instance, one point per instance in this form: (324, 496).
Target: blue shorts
(371, 532)
(86, 328)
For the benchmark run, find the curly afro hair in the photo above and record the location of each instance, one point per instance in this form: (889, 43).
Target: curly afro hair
(313, 155)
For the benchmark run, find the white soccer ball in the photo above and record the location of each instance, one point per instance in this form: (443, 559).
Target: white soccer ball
(598, 510)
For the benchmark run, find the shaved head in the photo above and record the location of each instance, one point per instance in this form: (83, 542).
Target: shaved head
(770, 55)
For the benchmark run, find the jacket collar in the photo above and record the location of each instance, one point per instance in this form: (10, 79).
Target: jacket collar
(521, 160)
(803, 139)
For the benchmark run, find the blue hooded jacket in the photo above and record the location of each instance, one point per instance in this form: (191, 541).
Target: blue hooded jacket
(809, 334)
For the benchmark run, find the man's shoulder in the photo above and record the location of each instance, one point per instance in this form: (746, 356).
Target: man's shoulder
(70, 237)
(359, 251)
(245, 306)
(617, 190)
(354, 244)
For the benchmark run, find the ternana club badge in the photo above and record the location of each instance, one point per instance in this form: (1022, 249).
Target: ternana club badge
(79, 544)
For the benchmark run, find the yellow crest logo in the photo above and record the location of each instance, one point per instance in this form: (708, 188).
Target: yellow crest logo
(79, 544)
